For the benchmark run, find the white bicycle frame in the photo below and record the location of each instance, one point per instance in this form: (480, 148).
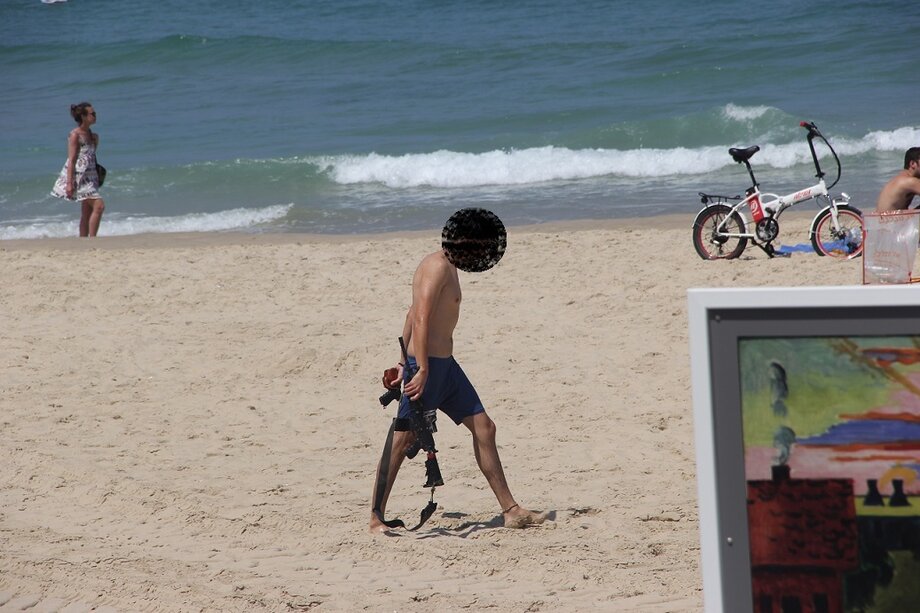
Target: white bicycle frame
(776, 205)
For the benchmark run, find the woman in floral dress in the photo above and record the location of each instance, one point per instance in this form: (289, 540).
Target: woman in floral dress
(78, 179)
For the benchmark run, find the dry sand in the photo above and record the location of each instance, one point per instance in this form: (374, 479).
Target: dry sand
(191, 422)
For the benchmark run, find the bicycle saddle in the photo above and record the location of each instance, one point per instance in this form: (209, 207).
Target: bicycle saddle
(743, 155)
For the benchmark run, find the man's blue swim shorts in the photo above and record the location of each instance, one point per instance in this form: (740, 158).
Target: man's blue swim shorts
(447, 388)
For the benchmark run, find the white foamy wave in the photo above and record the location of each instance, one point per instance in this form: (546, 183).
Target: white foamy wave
(790, 154)
(450, 169)
(233, 219)
(744, 113)
(895, 140)
(453, 169)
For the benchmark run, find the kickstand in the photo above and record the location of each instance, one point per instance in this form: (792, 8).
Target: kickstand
(767, 248)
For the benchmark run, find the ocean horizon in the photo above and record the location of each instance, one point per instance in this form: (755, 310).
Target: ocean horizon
(353, 117)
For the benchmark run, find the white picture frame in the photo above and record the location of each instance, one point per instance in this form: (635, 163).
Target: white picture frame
(774, 312)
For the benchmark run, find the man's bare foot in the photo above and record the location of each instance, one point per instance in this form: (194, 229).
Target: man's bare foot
(377, 526)
(519, 517)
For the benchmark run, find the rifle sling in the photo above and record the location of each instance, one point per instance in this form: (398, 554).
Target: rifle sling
(383, 473)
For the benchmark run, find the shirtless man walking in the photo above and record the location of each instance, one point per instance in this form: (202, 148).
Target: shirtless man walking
(898, 193)
(440, 382)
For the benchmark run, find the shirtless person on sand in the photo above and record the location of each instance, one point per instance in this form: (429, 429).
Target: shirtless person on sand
(428, 333)
(900, 191)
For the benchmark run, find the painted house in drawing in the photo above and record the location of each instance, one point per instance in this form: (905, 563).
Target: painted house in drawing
(804, 539)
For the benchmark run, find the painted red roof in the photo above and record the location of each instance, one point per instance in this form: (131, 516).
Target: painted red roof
(803, 522)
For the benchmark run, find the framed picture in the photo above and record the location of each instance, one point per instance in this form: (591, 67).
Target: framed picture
(807, 433)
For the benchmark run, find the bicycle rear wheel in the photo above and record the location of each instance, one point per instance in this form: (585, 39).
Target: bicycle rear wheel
(846, 241)
(709, 242)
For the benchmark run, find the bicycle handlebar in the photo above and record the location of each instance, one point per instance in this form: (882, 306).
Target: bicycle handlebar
(811, 127)
(813, 131)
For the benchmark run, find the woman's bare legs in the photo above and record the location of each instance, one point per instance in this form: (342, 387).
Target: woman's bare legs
(91, 216)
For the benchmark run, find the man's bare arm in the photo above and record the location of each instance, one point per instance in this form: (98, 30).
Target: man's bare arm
(913, 186)
(406, 332)
(426, 289)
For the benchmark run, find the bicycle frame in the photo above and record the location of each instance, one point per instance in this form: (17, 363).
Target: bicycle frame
(776, 205)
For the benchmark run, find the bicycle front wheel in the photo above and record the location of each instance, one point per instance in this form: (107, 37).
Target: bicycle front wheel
(843, 241)
(710, 242)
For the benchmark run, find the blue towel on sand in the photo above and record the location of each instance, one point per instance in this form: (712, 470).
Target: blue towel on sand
(790, 249)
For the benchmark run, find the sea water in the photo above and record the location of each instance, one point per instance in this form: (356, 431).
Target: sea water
(353, 116)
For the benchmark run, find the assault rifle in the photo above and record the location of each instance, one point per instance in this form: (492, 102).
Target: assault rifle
(421, 422)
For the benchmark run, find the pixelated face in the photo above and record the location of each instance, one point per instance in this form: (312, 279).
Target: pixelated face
(474, 239)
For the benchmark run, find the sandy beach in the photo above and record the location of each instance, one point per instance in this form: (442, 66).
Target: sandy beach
(190, 422)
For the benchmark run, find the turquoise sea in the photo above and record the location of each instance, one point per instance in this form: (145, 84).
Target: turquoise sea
(361, 116)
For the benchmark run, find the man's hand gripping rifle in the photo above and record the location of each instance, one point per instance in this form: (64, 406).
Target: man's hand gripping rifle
(421, 422)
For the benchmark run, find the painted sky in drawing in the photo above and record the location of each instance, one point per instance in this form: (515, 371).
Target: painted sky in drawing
(878, 442)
